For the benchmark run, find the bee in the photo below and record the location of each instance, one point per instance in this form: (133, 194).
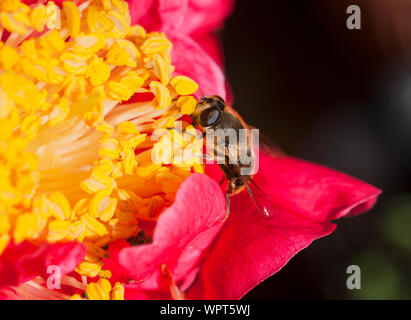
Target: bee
(213, 113)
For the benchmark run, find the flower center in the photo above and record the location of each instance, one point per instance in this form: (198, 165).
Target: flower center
(81, 92)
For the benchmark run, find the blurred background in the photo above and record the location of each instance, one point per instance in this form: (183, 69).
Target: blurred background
(341, 98)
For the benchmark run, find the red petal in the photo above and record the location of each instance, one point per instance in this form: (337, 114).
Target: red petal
(251, 248)
(25, 261)
(314, 191)
(31, 1)
(133, 292)
(182, 234)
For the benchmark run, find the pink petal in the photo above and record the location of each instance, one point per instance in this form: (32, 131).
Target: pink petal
(182, 16)
(193, 16)
(207, 15)
(190, 23)
(191, 60)
(172, 15)
(212, 45)
(25, 261)
(251, 248)
(182, 234)
(145, 13)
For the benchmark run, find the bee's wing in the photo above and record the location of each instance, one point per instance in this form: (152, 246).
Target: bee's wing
(259, 197)
(267, 145)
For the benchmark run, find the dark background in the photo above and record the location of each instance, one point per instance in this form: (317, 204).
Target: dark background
(341, 98)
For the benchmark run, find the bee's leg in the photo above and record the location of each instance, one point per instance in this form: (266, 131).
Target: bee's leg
(206, 157)
(221, 181)
(227, 203)
(201, 136)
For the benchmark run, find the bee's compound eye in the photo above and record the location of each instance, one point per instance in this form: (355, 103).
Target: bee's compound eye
(217, 101)
(220, 105)
(209, 116)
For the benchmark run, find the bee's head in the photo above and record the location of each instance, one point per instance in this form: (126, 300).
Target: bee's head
(208, 111)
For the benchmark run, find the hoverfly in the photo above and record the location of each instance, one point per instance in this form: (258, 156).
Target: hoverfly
(213, 113)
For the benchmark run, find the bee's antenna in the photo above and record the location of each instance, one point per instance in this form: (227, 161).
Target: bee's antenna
(202, 95)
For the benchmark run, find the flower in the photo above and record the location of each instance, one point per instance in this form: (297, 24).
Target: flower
(195, 19)
(183, 232)
(250, 248)
(79, 188)
(190, 25)
(80, 99)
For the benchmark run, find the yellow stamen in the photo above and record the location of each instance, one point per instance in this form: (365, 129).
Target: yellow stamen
(99, 71)
(187, 104)
(184, 85)
(99, 290)
(89, 269)
(71, 161)
(71, 16)
(118, 292)
(161, 93)
(106, 274)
